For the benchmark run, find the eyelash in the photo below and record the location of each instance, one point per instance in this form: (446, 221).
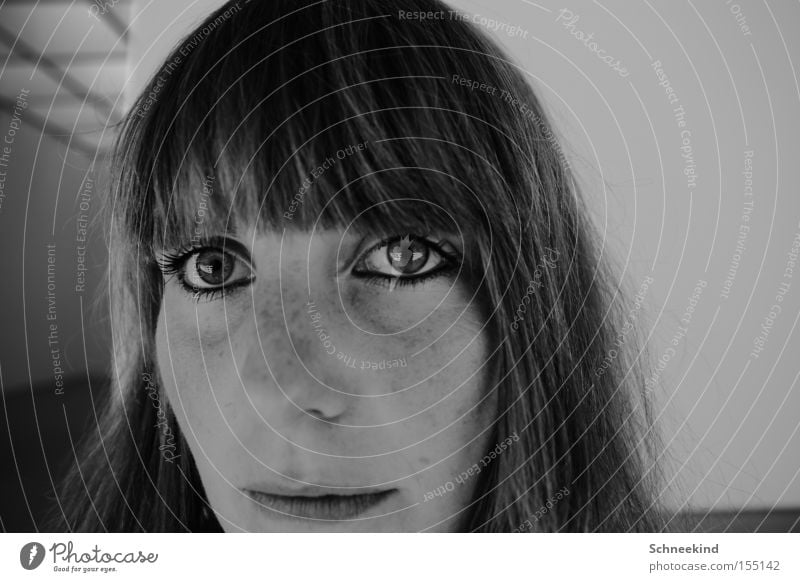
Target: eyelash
(172, 264)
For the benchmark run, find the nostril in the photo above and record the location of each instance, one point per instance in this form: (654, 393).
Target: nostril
(321, 403)
(317, 413)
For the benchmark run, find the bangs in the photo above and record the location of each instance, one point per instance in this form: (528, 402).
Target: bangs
(333, 115)
(318, 187)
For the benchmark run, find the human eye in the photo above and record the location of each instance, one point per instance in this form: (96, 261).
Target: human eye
(406, 260)
(209, 269)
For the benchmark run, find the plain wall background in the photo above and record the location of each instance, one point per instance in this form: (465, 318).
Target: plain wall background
(730, 420)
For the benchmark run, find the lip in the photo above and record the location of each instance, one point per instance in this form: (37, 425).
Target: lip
(318, 503)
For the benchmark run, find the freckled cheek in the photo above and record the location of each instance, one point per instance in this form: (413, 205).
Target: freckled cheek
(442, 384)
(205, 331)
(208, 321)
(441, 354)
(446, 421)
(378, 310)
(194, 355)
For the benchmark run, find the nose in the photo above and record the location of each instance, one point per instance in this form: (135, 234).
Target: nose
(304, 377)
(293, 363)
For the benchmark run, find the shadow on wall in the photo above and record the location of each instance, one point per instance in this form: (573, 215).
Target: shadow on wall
(38, 435)
(51, 234)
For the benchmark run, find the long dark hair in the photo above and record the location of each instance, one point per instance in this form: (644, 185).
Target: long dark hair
(260, 93)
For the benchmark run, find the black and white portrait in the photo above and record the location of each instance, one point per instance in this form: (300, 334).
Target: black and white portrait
(383, 266)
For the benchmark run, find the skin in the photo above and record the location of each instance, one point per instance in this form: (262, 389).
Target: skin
(260, 400)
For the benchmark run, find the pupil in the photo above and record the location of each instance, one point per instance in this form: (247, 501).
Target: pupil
(214, 267)
(407, 256)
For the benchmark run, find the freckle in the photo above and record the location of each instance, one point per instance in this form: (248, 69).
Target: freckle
(425, 461)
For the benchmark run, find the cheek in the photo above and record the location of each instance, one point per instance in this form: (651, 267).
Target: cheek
(444, 396)
(441, 338)
(193, 351)
(442, 393)
(448, 426)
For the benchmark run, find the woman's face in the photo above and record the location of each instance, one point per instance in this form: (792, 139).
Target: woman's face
(338, 382)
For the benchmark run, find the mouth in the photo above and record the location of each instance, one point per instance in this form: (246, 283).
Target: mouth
(325, 507)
